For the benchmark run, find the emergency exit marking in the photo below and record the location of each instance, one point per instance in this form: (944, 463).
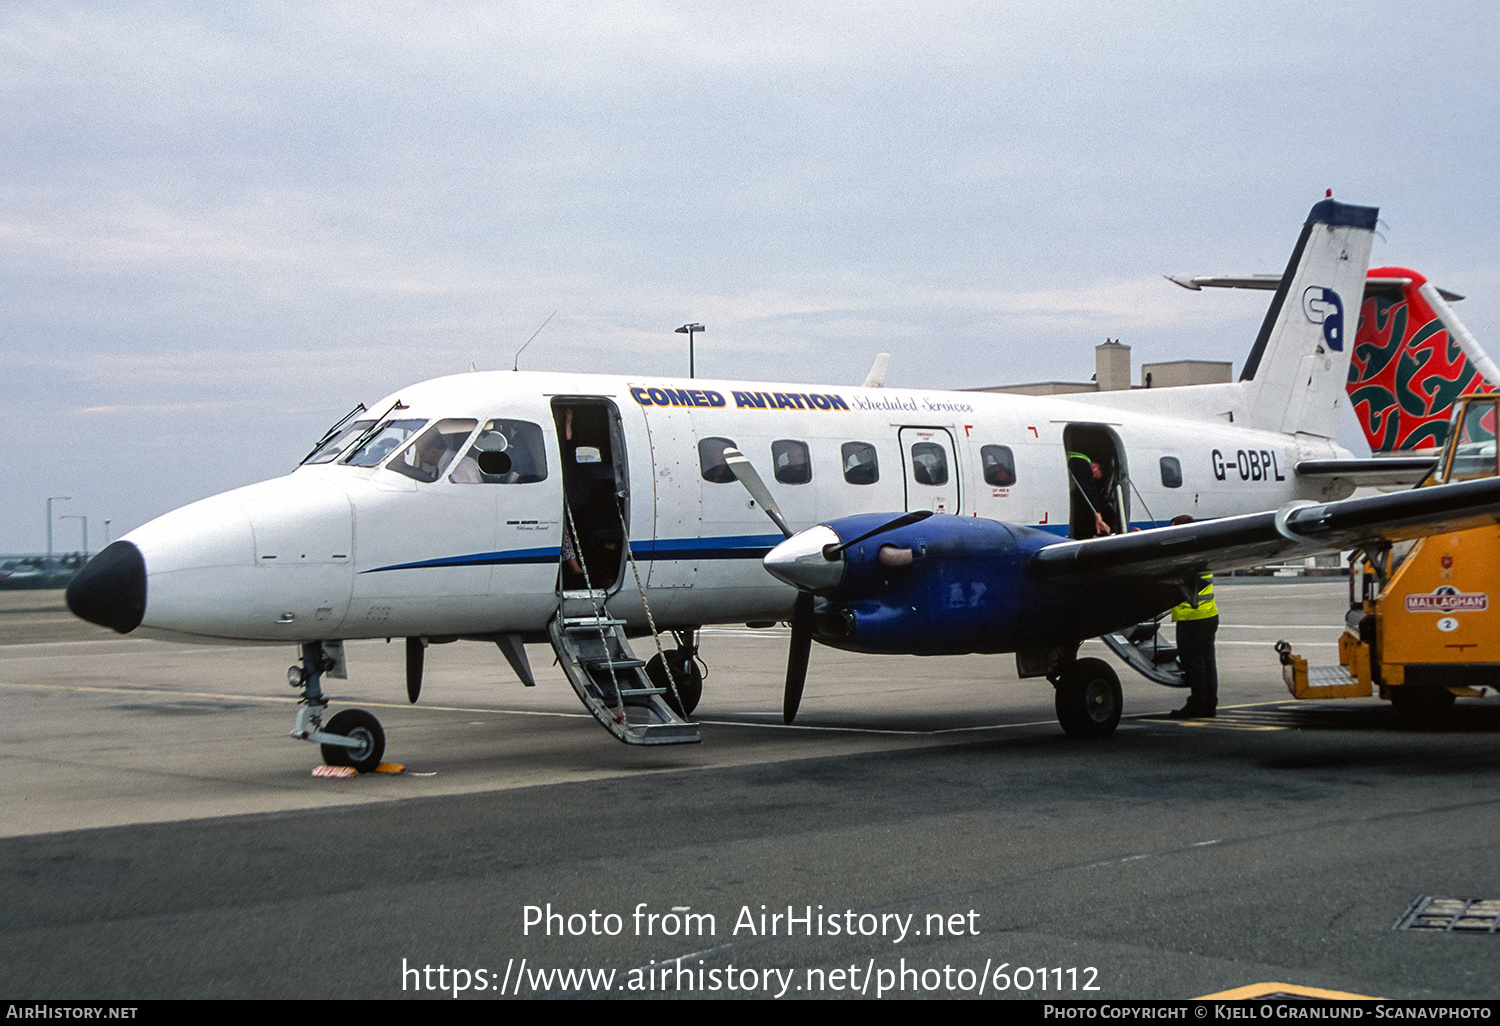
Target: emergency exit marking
(1452, 915)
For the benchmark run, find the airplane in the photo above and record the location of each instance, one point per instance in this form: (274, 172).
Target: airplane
(585, 510)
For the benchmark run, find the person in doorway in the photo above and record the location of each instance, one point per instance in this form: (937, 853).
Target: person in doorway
(1088, 478)
(1197, 622)
(575, 494)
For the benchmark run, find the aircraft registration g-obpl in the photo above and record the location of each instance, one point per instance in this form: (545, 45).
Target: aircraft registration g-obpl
(585, 510)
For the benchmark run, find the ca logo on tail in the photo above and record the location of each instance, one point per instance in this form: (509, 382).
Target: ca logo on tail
(1323, 306)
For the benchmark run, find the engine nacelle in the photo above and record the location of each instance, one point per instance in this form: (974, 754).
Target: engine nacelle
(950, 585)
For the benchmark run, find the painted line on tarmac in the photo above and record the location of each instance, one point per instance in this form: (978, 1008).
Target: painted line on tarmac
(1157, 717)
(874, 730)
(1259, 716)
(494, 711)
(286, 701)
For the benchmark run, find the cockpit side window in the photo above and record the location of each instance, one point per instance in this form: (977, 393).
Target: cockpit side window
(383, 442)
(506, 452)
(428, 457)
(329, 450)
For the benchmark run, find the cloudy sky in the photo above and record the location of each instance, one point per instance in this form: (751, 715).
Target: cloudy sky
(223, 225)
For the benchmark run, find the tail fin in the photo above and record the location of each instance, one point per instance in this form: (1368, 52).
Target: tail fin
(1297, 370)
(1412, 359)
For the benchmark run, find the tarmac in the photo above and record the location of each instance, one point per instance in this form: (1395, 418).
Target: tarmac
(162, 837)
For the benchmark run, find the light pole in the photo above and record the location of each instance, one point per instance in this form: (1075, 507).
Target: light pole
(689, 330)
(50, 500)
(76, 516)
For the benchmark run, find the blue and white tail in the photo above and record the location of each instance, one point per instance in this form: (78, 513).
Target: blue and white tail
(1296, 373)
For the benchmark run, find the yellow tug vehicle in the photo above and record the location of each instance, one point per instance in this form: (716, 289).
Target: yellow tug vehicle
(1422, 626)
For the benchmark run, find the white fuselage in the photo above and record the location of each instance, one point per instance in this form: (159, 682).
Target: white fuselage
(335, 551)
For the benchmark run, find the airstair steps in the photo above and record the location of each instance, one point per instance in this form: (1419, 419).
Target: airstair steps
(611, 682)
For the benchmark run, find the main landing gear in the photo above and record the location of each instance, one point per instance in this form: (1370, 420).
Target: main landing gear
(353, 737)
(679, 673)
(1088, 698)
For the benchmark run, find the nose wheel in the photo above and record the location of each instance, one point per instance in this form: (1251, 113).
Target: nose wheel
(352, 737)
(358, 726)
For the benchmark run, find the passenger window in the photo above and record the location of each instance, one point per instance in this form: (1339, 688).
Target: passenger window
(506, 452)
(929, 463)
(383, 442)
(999, 465)
(792, 461)
(1171, 472)
(711, 460)
(426, 458)
(860, 464)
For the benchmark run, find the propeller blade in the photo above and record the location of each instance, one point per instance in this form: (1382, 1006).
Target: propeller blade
(801, 646)
(415, 651)
(832, 552)
(742, 469)
(796, 657)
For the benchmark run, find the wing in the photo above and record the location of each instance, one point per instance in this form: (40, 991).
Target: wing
(1294, 531)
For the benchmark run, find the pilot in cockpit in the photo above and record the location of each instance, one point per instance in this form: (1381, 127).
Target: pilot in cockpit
(434, 451)
(431, 453)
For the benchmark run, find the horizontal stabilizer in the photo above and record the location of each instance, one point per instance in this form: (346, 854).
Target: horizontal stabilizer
(1375, 284)
(1370, 473)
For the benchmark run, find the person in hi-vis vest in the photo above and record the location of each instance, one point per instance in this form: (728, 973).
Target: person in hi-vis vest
(1196, 627)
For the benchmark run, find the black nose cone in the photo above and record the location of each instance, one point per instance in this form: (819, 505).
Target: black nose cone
(111, 589)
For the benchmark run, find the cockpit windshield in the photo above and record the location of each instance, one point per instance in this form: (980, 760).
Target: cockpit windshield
(383, 442)
(330, 449)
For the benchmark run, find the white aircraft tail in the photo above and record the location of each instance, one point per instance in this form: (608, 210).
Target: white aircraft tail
(1296, 372)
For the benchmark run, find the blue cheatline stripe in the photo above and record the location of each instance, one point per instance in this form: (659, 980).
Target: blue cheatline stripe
(511, 558)
(753, 546)
(735, 546)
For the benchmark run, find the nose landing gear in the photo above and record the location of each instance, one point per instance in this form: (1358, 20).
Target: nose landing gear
(353, 737)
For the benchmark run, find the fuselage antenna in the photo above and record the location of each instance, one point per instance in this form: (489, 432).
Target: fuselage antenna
(517, 365)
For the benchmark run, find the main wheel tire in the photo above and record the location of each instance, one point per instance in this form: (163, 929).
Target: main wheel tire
(359, 726)
(1419, 706)
(688, 676)
(1089, 699)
